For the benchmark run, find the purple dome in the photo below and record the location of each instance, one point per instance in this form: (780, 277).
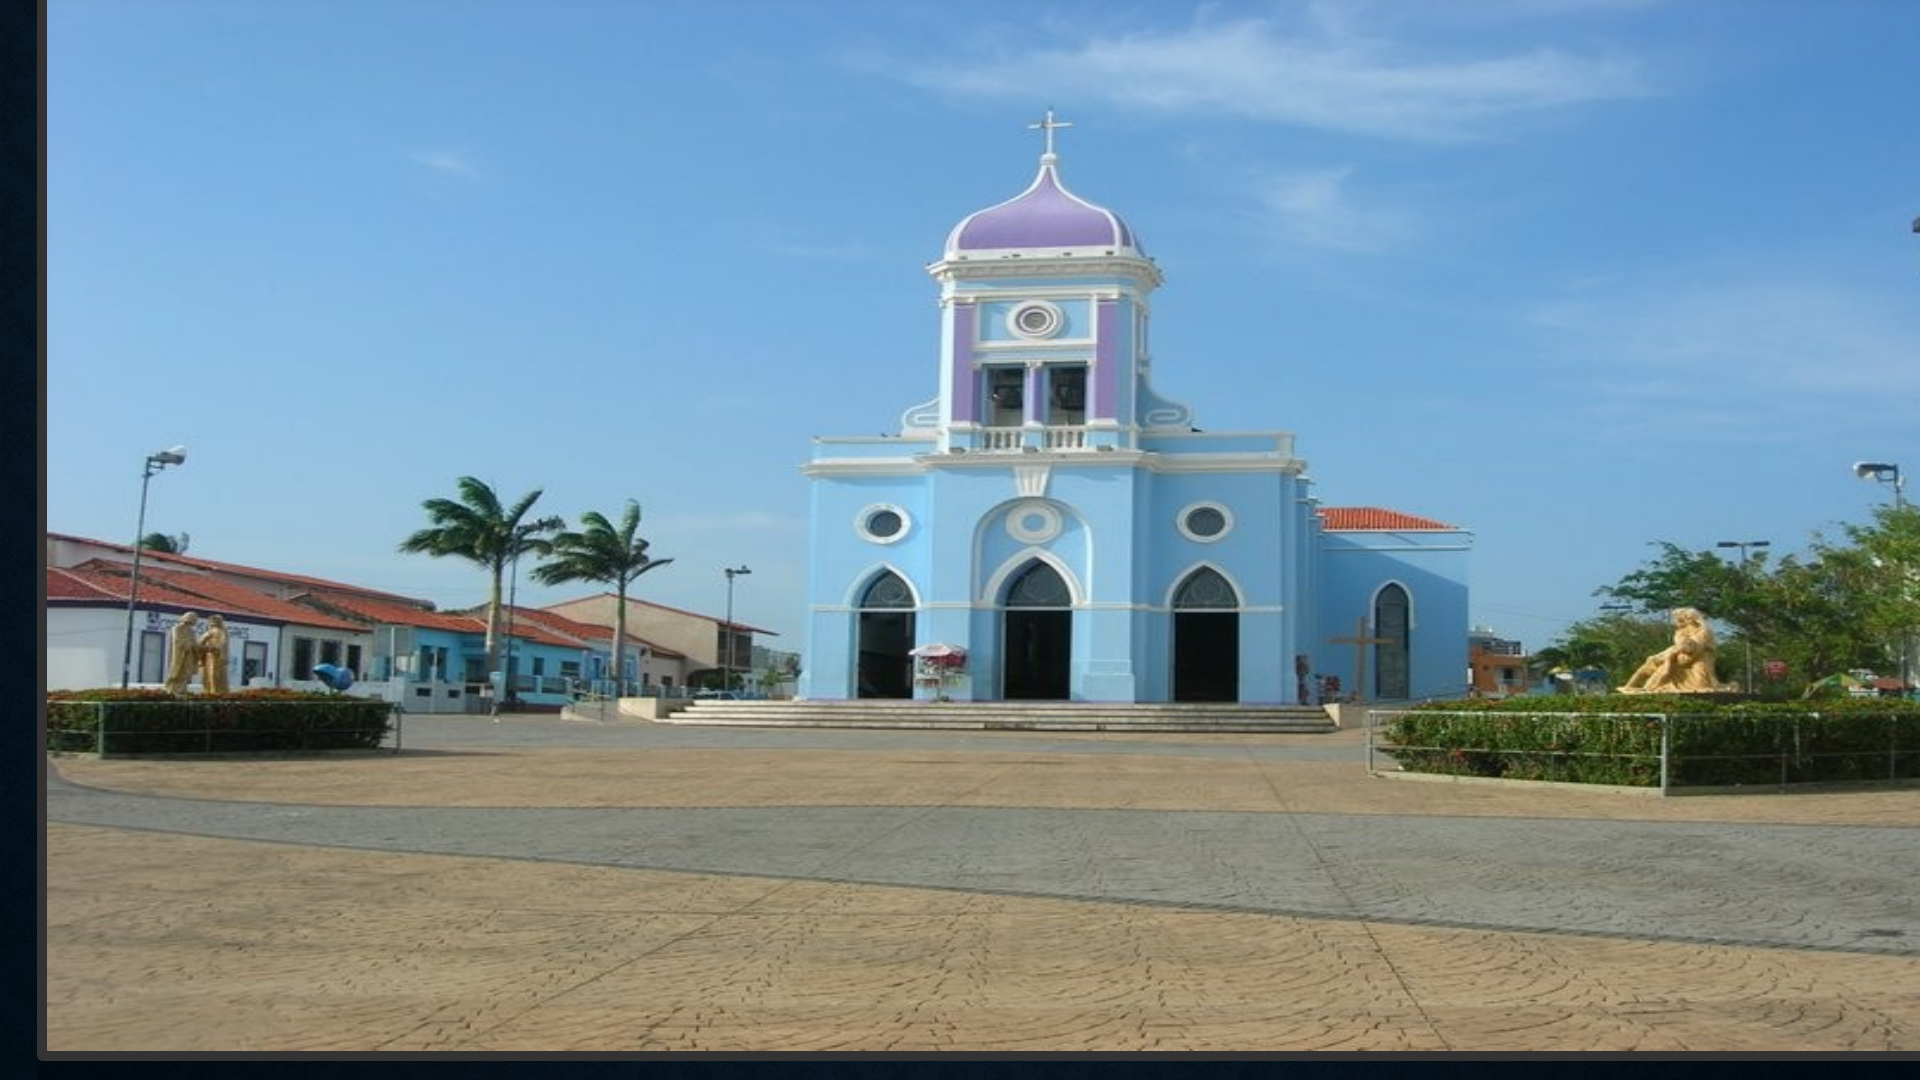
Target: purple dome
(1046, 216)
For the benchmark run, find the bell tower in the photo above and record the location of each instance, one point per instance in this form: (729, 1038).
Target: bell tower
(1043, 338)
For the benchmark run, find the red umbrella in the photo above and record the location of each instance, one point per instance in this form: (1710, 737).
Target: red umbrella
(938, 651)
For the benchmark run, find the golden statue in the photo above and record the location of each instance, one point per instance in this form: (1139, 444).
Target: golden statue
(1686, 666)
(213, 656)
(183, 654)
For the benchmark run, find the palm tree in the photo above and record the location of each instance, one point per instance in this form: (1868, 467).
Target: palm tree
(478, 529)
(601, 552)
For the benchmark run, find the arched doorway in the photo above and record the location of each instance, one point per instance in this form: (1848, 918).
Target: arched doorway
(884, 669)
(1206, 639)
(1391, 619)
(1038, 636)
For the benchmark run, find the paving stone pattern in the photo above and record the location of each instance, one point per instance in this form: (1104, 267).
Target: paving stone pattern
(744, 891)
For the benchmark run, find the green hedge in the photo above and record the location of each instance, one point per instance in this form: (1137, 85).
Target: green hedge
(1715, 740)
(247, 721)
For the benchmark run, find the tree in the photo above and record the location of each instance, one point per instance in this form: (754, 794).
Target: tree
(478, 529)
(1849, 603)
(600, 552)
(1614, 642)
(1681, 578)
(166, 545)
(1876, 576)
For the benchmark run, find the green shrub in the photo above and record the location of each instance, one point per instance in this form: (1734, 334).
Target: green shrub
(1714, 740)
(111, 721)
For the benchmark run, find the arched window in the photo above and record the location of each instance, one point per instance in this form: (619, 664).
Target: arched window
(1205, 588)
(1392, 619)
(1039, 586)
(887, 591)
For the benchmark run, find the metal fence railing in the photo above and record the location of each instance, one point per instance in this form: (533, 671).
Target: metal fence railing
(1653, 750)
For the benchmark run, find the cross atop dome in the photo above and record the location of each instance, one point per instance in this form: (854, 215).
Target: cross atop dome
(1049, 126)
(1046, 217)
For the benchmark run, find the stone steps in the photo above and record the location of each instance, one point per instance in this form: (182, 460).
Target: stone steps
(1011, 716)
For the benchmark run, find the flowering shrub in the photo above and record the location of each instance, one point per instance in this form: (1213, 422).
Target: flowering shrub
(150, 721)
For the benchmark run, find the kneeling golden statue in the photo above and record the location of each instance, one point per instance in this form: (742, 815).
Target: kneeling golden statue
(1686, 666)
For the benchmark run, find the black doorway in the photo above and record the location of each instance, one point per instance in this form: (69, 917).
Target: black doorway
(1206, 639)
(885, 668)
(1206, 656)
(1038, 646)
(1038, 636)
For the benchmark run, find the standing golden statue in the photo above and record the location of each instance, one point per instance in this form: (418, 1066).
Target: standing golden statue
(213, 656)
(1686, 666)
(183, 654)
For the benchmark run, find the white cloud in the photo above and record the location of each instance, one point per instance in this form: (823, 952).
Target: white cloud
(1757, 359)
(445, 161)
(1314, 208)
(1329, 78)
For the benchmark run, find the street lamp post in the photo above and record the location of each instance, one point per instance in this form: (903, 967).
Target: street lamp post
(727, 661)
(156, 461)
(1887, 473)
(1746, 640)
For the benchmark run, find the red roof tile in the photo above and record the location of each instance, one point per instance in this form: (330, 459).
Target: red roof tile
(63, 585)
(388, 613)
(1374, 519)
(169, 587)
(737, 624)
(112, 579)
(235, 568)
(525, 629)
(591, 633)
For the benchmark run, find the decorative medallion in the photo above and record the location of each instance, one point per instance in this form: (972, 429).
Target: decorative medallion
(1036, 320)
(1033, 522)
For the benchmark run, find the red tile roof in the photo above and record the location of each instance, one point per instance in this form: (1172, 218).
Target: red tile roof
(737, 624)
(234, 568)
(65, 585)
(590, 633)
(169, 587)
(1374, 519)
(525, 629)
(111, 579)
(386, 612)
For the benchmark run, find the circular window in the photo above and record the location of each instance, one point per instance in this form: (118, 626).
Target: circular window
(882, 524)
(1036, 320)
(1205, 522)
(1033, 523)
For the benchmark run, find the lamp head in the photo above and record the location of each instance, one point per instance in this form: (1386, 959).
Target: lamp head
(172, 455)
(1874, 470)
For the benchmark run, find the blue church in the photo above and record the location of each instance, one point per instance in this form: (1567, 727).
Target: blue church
(1050, 527)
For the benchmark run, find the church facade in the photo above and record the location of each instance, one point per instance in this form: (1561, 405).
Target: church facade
(1050, 527)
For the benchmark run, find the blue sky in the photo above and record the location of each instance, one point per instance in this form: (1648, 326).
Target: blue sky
(1577, 275)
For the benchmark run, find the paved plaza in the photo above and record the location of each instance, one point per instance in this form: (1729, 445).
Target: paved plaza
(550, 885)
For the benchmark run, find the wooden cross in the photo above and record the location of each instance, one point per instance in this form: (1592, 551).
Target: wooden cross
(1360, 641)
(1049, 125)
